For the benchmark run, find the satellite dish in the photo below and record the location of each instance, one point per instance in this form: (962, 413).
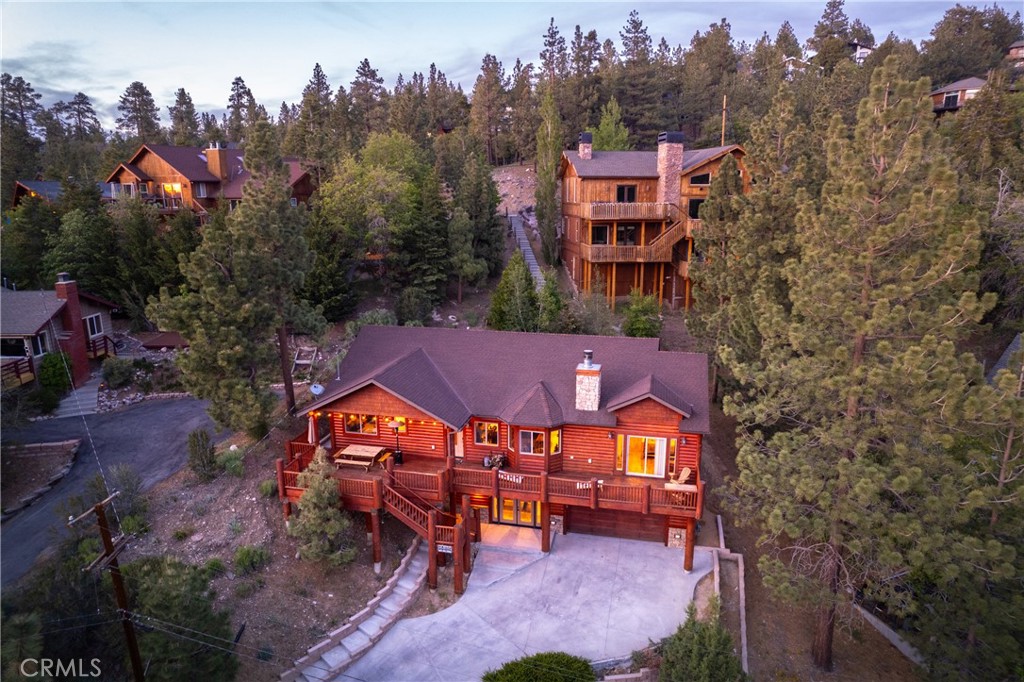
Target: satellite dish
(316, 389)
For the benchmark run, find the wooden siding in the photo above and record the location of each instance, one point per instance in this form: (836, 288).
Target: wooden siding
(474, 454)
(648, 412)
(424, 435)
(587, 450)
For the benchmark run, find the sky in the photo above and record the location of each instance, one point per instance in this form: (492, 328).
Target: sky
(99, 48)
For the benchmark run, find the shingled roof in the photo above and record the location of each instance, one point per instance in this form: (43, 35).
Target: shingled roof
(523, 379)
(972, 83)
(26, 313)
(638, 164)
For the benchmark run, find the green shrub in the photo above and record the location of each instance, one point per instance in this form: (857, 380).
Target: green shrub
(250, 558)
(202, 459)
(413, 306)
(54, 373)
(117, 372)
(133, 525)
(248, 587)
(700, 651)
(235, 526)
(268, 488)
(231, 462)
(642, 315)
(214, 568)
(265, 653)
(184, 533)
(325, 533)
(42, 400)
(127, 481)
(378, 316)
(550, 666)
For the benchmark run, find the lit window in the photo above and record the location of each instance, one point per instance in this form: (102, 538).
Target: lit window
(531, 442)
(361, 423)
(485, 433)
(556, 441)
(402, 422)
(646, 456)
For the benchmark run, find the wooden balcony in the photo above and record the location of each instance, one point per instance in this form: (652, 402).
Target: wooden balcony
(100, 347)
(658, 251)
(432, 480)
(621, 211)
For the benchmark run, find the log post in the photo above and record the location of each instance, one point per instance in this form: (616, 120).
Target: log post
(545, 527)
(494, 482)
(375, 537)
(691, 540)
(378, 493)
(432, 549)
(593, 493)
(544, 488)
(389, 467)
(467, 517)
(282, 495)
(457, 556)
(645, 499)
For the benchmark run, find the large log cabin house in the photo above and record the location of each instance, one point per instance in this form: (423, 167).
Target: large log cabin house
(447, 429)
(628, 218)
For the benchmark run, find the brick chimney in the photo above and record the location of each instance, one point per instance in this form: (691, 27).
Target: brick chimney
(586, 146)
(217, 160)
(670, 167)
(588, 383)
(72, 341)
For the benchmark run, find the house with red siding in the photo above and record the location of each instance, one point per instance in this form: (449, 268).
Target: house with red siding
(448, 429)
(34, 323)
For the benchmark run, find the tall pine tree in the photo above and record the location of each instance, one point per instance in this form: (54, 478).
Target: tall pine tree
(549, 154)
(843, 460)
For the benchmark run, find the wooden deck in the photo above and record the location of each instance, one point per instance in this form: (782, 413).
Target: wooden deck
(436, 480)
(17, 372)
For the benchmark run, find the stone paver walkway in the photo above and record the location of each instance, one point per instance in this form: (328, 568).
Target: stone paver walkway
(81, 400)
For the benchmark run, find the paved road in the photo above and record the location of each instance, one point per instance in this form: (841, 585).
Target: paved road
(151, 436)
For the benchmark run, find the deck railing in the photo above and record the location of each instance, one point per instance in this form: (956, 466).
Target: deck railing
(659, 250)
(647, 497)
(413, 516)
(100, 347)
(17, 372)
(601, 210)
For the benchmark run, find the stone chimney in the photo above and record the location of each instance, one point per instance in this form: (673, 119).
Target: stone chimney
(72, 341)
(670, 167)
(586, 146)
(217, 160)
(588, 383)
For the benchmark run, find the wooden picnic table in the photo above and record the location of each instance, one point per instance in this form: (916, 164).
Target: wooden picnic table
(359, 455)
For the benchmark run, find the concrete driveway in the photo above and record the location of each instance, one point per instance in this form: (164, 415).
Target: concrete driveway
(151, 436)
(595, 597)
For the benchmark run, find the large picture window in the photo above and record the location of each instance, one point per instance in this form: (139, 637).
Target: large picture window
(556, 441)
(531, 442)
(599, 234)
(646, 456)
(361, 423)
(485, 433)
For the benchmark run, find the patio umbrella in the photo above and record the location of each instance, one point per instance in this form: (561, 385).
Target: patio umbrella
(311, 435)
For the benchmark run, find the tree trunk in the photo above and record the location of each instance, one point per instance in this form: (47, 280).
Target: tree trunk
(460, 290)
(821, 648)
(286, 370)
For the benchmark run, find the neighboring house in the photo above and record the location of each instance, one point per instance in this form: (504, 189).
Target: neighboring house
(860, 51)
(955, 95)
(49, 190)
(199, 179)
(34, 323)
(628, 218)
(597, 435)
(1015, 55)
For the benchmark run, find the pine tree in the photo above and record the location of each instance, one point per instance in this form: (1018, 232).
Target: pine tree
(321, 527)
(611, 135)
(311, 138)
(490, 97)
(831, 37)
(140, 117)
(549, 155)
(642, 316)
(240, 295)
(478, 196)
(23, 242)
(20, 106)
(82, 247)
(368, 104)
(843, 456)
(184, 120)
(968, 41)
(552, 309)
(465, 265)
(514, 306)
(139, 273)
(524, 116)
(241, 104)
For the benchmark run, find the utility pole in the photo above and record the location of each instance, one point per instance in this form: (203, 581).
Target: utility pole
(108, 560)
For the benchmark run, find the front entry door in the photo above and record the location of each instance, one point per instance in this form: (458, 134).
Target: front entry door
(516, 512)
